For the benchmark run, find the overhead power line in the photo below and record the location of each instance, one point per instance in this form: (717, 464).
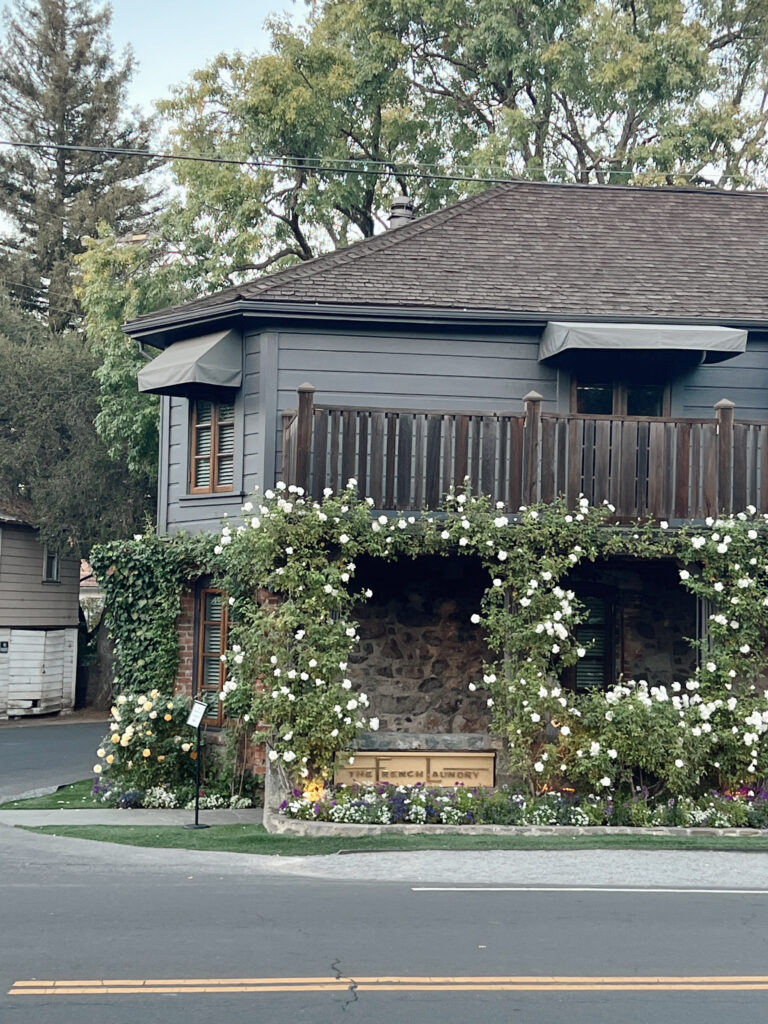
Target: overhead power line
(312, 165)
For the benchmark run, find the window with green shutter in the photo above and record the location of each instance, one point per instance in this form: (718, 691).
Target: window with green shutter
(212, 643)
(212, 447)
(596, 669)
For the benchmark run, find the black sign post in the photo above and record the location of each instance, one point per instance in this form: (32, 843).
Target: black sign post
(195, 720)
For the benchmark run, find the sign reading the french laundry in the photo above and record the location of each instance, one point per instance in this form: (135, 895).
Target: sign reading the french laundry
(406, 768)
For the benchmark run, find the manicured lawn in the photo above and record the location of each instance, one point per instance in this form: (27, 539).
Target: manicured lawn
(74, 797)
(255, 839)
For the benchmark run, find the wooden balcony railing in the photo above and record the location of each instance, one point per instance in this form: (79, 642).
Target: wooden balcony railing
(407, 459)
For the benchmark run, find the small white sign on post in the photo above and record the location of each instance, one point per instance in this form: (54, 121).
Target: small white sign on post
(199, 708)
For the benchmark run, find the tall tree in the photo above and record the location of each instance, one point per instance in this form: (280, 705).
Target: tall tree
(52, 461)
(328, 93)
(121, 280)
(61, 85)
(606, 91)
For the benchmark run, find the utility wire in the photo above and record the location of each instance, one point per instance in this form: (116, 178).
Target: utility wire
(319, 165)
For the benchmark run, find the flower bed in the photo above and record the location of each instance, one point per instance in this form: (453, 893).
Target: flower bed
(385, 804)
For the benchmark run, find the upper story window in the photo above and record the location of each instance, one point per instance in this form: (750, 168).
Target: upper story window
(51, 568)
(212, 446)
(610, 398)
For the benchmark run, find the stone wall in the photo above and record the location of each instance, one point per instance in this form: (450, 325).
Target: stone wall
(418, 649)
(652, 616)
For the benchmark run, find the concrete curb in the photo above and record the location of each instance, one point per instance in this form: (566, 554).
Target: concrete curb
(137, 816)
(279, 824)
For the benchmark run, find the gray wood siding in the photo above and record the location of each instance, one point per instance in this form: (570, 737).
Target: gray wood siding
(477, 371)
(179, 510)
(401, 368)
(24, 599)
(742, 379)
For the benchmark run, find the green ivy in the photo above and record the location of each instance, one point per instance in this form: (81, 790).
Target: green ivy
(143, 580)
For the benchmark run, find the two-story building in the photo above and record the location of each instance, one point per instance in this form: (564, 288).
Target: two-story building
(538, 339)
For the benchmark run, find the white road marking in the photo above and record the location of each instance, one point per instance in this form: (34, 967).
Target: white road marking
(586, 888)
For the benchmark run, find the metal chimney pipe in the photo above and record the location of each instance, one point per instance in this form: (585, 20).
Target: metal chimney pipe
(401, 212)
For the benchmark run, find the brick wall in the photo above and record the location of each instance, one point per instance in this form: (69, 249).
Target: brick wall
(185, 625)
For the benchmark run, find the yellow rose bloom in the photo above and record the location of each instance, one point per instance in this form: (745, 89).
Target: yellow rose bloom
(169, 705)
(147, 705)
(161, 757)
(167, 717)
(154, 693)
(146, 752)
(115, 737)
(110, 758)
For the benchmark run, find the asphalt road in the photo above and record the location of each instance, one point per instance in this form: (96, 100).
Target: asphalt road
(39, 754)
(93, 913)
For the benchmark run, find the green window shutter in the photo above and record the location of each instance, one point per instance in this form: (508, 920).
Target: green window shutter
(591, 670)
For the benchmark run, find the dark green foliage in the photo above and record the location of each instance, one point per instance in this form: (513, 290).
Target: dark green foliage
(143, 582)
(59, 83)
(52, 461)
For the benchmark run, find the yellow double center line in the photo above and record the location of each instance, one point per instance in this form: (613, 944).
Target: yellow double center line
(523, 983)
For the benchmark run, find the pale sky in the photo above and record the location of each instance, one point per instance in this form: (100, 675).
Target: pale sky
(172, 38)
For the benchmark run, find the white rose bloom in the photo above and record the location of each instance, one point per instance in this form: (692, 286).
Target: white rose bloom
(474, 619)
(538, 767)
(565, 730)
(679, 763)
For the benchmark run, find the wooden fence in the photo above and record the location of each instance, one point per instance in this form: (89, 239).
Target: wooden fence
(407, 459)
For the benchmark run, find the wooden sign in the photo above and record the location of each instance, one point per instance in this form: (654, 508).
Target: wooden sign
(409, 767)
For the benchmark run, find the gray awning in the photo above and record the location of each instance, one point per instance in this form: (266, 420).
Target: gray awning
(561, 337)
(187, 367)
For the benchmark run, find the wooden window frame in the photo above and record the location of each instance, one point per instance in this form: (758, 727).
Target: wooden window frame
(619, 389)
(216, 719)
(213, 456)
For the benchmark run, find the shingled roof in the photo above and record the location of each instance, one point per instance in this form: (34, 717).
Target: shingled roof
(586, 251)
